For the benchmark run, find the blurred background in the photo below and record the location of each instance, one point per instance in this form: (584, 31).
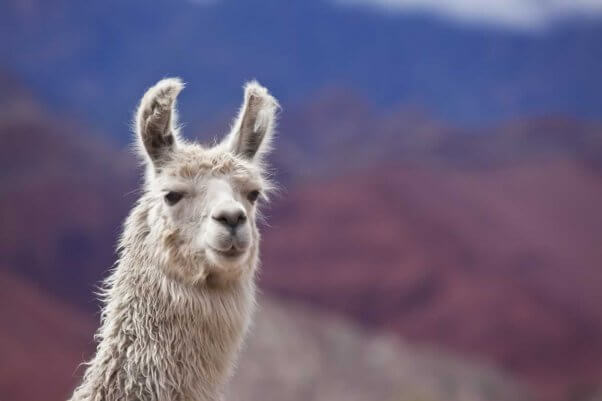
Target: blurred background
(438, 236)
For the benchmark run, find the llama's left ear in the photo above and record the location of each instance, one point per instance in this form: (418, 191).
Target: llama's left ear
(253, 129)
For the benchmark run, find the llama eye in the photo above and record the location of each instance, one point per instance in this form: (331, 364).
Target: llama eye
(252, 196)
(173, 197)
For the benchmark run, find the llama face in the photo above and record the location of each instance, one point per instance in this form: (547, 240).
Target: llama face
(204, 200)
(208, 200)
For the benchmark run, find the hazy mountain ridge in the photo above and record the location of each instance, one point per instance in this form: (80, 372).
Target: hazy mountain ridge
(339, 132)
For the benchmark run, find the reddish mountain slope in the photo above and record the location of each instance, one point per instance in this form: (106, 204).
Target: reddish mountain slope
(42, 343)
(503, 262)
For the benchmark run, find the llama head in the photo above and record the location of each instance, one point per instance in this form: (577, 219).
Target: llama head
(202, 201)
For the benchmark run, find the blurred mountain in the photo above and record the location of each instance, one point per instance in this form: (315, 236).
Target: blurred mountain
(501, 262)
(63, 196)
(44, 341)
(296, 353)
(338, 133)
(94, 59)
(484, 241)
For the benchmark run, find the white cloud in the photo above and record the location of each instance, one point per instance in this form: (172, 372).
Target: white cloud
(520, 14)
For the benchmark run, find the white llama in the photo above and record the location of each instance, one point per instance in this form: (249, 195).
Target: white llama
(180, 299)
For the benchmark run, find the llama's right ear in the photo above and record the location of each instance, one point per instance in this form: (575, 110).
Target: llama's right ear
(156, 120)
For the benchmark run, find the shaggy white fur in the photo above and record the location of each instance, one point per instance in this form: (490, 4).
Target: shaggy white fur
(180, 299)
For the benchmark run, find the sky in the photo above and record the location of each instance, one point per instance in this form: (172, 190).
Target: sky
(514, 14)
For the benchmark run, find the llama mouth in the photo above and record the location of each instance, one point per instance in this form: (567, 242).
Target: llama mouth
(231, 253)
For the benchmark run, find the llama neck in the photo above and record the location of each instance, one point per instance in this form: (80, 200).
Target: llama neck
(162, 339)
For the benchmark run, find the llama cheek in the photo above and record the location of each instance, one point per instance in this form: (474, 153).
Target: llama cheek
(201, 237)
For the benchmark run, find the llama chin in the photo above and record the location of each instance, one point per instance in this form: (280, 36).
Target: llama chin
(180, 299)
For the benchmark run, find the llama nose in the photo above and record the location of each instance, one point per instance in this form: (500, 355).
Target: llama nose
(231, 218)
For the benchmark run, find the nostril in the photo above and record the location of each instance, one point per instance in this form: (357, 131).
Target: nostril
(221, 219)
(241, 218)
